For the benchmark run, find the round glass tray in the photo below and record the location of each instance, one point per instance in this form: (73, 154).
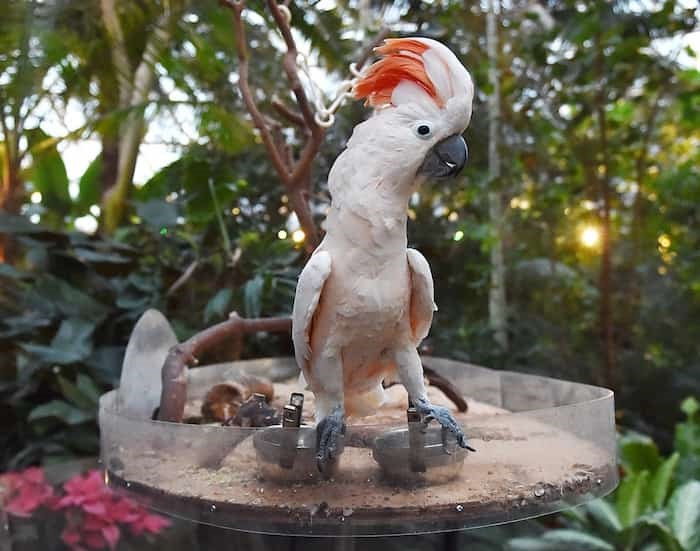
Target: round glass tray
(542, 445)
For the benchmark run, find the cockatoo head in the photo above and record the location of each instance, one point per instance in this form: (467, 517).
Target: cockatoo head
(422, 97)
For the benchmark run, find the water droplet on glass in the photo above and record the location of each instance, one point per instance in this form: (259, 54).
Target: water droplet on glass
(539, 491)
(459, 508)
(213, 508)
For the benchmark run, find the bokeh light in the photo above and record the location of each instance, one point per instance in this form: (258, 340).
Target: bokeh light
(590, 237)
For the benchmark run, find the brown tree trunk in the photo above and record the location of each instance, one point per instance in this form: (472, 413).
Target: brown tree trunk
(10, 203)
(110, 163)
(605, 279)
(498, 307)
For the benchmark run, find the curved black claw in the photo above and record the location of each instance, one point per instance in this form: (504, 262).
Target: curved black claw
(442, 415)
(328, 432)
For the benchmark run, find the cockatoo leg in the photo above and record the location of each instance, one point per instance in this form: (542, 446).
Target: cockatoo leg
(330, 414)
(328, 432)
(410, 372)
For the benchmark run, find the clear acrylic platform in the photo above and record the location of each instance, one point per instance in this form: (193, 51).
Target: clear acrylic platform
(543, 445)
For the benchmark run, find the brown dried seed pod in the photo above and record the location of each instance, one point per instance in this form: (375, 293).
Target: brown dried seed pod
(223, 401)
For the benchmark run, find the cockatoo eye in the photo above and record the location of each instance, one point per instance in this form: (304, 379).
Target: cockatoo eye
(423, 130)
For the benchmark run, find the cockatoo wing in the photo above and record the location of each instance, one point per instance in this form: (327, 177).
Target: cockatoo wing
(422, 296)
(308, 295)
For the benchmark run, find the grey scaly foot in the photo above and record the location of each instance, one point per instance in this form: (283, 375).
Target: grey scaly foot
(328, 432)
(442, 415)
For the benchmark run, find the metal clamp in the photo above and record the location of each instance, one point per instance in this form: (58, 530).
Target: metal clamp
(416, 440)
(291, 421)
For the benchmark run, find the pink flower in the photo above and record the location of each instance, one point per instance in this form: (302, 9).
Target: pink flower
(148, 523)
(95, 516)
(111, 535)
(24, 492)
(99, 514)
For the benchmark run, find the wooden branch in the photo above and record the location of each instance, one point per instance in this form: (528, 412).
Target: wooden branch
(180, 281)
(369, 50)
(287, 113)
(439, 381)
(180, 357)
(120, 59)
(295, 176)
(236, 8)
(447, 387)
(290, 68)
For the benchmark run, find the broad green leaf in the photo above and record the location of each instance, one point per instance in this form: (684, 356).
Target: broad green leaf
(690, 406)
(72, 343)
(60, 410)
(687, 442)
(639, 453)
(97, 257)
(252, 296)
(9, 272)
(73, 394)
(157, 214)
(560, 540)
(622, 112)
(631, 497)
(48, 173)
(69, 301)
(530, 544)
(90, 185)
(684, 515)
(660, 485)
(88, 387)
(659, 530)
(574, 540)
(218, 305)
(603, 514)
(84, 394)
(16, 224)
(225, 128)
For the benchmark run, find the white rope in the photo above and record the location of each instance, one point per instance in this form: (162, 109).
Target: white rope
(325, 114)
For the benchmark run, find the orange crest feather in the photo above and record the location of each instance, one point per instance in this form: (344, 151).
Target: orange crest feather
(402, 61)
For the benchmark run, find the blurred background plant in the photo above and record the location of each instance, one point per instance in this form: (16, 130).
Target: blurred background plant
(132, 178)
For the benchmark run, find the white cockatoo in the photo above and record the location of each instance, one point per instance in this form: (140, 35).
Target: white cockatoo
(364, 301)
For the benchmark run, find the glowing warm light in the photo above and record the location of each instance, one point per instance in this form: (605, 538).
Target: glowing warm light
(664, 241)
(282, 234)
(86, 224)
(235, 211)
(453, 216)
(35, 197)
(285, 199)
(520, 203)
(298, 236)
(283, 210)
(458, 236)
(590, 236)
(95, 210)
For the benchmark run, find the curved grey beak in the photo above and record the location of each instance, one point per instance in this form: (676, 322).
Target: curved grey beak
(446, 159)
